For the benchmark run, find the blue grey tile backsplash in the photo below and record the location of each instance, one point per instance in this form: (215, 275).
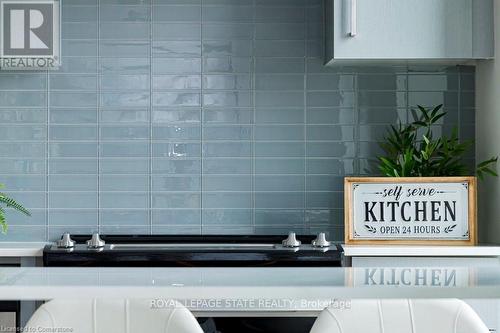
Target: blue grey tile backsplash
(201, 117)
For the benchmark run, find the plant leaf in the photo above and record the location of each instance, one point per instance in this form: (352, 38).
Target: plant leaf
(9, 202)
(411, 150)
(436, 110)
(3, 222)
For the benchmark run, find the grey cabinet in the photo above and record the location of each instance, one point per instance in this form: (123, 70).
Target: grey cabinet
(408, 30)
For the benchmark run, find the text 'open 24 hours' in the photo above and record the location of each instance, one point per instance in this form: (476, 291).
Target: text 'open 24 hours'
(410, 210)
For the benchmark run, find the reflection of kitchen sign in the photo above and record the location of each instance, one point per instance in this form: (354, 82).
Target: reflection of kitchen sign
(410, 210)
(412, 276)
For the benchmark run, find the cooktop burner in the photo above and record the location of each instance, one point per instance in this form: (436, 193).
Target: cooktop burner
(181, 250)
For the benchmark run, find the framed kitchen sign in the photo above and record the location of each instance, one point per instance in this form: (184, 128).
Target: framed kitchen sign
(413, 210)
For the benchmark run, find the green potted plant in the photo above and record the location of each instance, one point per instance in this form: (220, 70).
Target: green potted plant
(8, 202)
(411, 150)
(427, 197)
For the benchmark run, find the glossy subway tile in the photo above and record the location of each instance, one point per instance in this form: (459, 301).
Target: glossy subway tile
(129, 13)
(23, 116)
(203, 117)
(124, 219)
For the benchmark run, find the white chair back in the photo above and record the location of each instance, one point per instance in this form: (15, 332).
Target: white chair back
(400, 316)
(112, 316)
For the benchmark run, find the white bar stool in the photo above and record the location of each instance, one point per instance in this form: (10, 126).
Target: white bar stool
(112, 316)
(400, 316)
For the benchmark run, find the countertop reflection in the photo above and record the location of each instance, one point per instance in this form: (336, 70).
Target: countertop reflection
(305, 284)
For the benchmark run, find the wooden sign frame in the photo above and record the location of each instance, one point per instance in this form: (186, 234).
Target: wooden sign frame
(348, 210)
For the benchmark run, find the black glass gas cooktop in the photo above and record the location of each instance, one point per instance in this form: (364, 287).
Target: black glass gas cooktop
(191, 251)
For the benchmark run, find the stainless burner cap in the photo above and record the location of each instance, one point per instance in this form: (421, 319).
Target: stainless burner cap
(65, 241)
(291, 240)
(95, 242)
(321, 241)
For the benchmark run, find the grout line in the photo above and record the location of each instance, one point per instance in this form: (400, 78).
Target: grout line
(208, 208)
(202, 118)
(357, 128)
(47, 161)
(98, 108)
(407, 95)
(459, 105)
(254, 123)
(150, 183)
(178, 175)
(304, 219)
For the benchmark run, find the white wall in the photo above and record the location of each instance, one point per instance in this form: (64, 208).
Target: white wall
(488, 137)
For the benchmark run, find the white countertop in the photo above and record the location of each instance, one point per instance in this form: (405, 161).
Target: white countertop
(420, 251)
(21, 249)
(264, 289)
